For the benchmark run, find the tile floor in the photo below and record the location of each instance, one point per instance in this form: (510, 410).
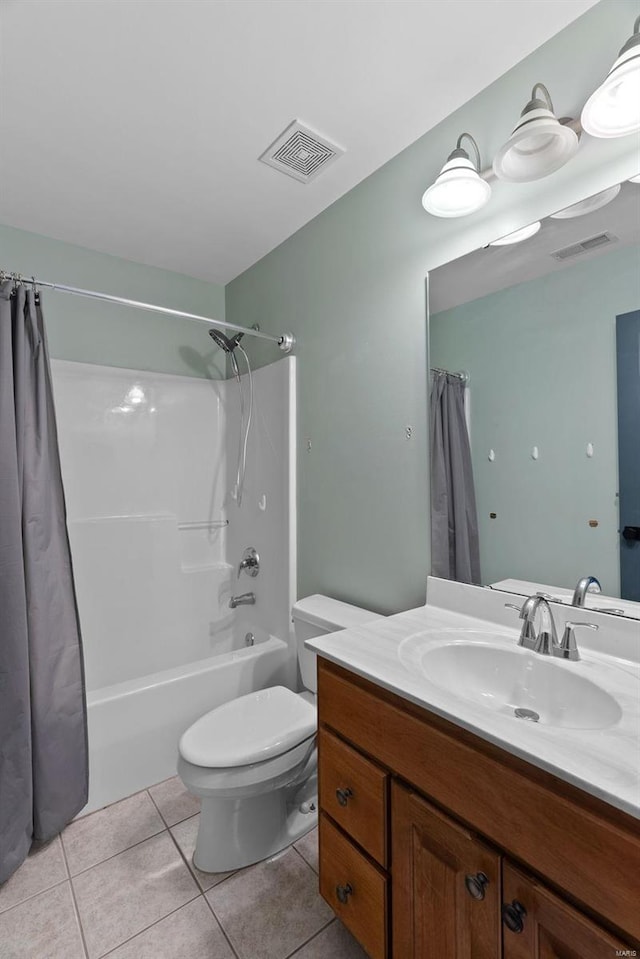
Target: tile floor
(121, 883)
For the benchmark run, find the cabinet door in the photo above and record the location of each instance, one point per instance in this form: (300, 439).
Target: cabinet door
(540, 925)
(445, 886)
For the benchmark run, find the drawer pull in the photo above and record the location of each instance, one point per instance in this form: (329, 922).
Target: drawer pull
(475, 885)
(343, 893)
(513, 914)
(342, 795)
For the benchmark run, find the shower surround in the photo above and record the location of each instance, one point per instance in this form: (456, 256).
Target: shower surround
(148, 462)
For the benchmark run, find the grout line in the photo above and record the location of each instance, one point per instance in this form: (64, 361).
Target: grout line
(298, 949)
(150, 926)
(220, 926)
(306, 861)
(191, 866)
(33, 895)
(86, 815)
(94, 865)
(75, 902)
(160, 813)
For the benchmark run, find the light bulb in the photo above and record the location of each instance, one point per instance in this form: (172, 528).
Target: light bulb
(458, 189)
(518, 235)
(613, 110)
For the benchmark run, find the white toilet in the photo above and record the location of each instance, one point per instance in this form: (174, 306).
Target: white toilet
(252, 761)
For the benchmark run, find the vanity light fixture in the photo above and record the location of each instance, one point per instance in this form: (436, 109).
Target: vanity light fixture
(613, 110)
(539, 145)
(591, 203)
(458, 189)
(518, 235)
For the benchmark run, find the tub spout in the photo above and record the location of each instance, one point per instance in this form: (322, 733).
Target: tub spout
(245, 599)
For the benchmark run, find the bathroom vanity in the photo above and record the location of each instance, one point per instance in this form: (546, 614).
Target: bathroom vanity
(439, 840)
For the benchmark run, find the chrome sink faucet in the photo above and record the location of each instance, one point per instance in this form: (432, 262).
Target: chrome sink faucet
(545, 642)
(245, 599)
(588, 584)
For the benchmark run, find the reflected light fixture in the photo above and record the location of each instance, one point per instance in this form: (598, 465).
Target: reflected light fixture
(591, 203)
(539, 145)
(458, 189)
(518, 235)
(613, 110)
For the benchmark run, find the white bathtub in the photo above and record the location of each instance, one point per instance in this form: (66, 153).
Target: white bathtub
(134, 726)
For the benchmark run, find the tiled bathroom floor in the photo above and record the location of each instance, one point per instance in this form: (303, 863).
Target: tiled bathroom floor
(120, 883)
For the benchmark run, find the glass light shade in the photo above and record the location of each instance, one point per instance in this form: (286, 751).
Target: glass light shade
(538, 146)
(613, 110)
(518, 235)
(591, 203)
(457, 191)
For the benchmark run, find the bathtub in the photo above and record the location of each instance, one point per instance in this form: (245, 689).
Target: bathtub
(134, 726)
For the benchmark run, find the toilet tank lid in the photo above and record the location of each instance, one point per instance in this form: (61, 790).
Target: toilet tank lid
(331, 614)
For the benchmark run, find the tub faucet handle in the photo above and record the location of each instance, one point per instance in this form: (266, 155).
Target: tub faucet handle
(250, 562)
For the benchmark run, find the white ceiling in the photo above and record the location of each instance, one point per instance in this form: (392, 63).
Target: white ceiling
(133, 127)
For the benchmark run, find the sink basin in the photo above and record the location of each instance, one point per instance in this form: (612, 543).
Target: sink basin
(505, 679)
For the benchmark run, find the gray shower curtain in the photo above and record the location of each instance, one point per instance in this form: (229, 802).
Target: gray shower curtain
(455, 550)
(43, 733)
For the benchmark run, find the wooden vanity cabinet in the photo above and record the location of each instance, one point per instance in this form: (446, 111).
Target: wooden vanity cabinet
(435, 844)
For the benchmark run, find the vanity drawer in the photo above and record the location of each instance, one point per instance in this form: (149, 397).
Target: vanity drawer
(353, 791)
(355, 888)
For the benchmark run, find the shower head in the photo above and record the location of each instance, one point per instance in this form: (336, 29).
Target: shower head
(226, 344)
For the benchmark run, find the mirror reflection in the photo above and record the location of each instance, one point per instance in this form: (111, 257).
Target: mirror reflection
(535, 407)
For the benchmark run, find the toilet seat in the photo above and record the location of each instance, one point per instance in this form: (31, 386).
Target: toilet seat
(250, 730)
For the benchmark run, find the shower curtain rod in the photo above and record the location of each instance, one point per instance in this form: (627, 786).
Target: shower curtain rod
(462, 375)
(286, 342)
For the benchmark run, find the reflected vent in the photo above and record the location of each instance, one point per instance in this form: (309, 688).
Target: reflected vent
(301, 153)
(584, 246)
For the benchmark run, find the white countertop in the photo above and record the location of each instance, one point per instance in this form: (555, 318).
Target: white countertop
(604, 762)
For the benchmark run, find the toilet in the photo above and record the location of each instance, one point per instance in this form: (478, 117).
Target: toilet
(253, 761)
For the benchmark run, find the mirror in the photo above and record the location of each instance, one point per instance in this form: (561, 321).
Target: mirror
(547, 330)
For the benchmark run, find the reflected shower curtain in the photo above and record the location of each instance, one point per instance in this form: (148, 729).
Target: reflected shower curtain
(455, 549)
(43, 732)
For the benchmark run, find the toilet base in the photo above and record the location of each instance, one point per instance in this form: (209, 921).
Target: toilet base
(234, 833)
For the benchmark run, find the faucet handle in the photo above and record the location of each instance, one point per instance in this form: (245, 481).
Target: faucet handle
(513, 606)
(567, 647)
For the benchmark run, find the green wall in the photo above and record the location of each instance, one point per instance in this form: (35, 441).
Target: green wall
(542, 361)
(351, 286)
(94, 332)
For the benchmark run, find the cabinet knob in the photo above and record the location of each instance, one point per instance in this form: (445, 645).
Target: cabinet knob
(343, 892)
(513, 914)
(475, 885)
(342, 795)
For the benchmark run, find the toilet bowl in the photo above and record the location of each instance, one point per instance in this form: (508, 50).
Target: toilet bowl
(252, 761)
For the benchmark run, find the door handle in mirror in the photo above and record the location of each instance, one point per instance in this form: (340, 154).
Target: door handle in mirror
(631, 534)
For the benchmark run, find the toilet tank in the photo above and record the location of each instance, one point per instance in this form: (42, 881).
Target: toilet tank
(316, 616)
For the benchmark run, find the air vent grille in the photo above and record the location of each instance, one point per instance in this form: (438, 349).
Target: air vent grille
(584, 246)
(300, 152)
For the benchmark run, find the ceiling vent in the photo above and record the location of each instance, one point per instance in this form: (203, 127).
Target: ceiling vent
(301, 153)
(584, 246)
